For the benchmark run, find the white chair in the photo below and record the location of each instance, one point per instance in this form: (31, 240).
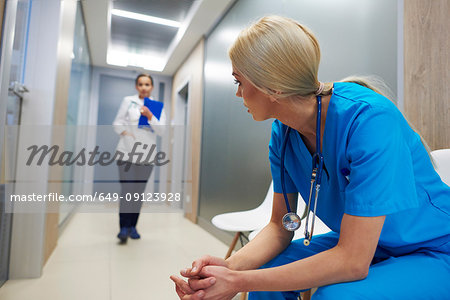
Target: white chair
(248, 220)
(442, 164)
(254, 220)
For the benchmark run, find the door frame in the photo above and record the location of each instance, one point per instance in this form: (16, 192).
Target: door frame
(2, 11)
(185, 186)
(8, 12)
(9, 23)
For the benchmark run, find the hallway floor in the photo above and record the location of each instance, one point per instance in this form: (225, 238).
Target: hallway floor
(88, 263)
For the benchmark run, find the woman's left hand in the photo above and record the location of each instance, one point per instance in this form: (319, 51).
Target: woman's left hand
(225, 286)
(146, 112)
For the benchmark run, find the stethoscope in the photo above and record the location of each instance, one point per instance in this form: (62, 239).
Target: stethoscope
(291, 221)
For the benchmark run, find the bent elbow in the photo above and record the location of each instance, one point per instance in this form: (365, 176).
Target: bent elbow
(358, 271)
(363, 273)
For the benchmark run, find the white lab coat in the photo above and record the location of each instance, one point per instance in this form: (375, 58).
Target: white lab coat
(127, 118)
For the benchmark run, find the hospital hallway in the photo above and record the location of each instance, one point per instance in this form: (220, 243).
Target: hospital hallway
(88, 262)
(176, 110)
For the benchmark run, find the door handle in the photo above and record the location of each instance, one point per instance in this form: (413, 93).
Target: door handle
(18, 89)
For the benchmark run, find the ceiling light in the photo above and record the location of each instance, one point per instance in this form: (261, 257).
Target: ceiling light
(145, 18)
(148, 61)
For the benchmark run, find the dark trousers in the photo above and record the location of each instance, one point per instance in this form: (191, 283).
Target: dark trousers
(133, 179)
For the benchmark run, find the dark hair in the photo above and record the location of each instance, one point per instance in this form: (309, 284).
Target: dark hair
(143, 75)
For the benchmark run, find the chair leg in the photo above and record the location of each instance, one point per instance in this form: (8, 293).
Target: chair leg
(233, 244)
(306, 295)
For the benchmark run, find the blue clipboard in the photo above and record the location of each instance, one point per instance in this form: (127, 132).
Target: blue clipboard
(155, 107)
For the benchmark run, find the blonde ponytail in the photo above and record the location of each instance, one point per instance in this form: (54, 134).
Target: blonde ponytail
(372, 82)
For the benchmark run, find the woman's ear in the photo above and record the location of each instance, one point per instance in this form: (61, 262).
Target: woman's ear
(275, 95)
(273, 98)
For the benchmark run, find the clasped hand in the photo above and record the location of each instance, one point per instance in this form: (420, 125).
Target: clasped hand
(146, 112)
(209, 278)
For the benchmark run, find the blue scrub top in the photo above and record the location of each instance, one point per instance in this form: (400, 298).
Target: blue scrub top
(375, 165)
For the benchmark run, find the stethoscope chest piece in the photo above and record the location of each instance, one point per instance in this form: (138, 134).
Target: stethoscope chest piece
(291, 221)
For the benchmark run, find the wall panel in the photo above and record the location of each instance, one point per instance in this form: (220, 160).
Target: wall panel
(426, 71)
(192, 71)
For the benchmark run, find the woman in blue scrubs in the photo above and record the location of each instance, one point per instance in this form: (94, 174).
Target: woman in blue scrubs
(387, 207)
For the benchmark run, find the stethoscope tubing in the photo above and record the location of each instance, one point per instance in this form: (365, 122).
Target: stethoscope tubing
(316, 175)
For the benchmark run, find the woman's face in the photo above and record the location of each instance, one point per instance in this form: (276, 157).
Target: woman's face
(258, 103)
(144, 87)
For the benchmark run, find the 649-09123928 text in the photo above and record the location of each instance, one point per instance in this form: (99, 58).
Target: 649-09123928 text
(101, 197)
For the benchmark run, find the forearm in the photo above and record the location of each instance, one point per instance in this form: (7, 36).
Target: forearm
(328, 267)
(266, 245)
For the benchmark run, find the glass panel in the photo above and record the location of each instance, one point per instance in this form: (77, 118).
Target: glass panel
(13, 110)
(20, 41)
(77, 107)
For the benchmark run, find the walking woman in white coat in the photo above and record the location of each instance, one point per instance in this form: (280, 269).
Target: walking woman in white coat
(133, 138)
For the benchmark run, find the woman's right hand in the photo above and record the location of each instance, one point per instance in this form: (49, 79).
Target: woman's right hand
(198, 264)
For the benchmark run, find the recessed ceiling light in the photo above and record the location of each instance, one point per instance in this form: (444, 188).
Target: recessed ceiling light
(145, 18)
(148, 61)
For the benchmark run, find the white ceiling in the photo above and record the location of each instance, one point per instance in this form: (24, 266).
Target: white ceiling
(151, 45)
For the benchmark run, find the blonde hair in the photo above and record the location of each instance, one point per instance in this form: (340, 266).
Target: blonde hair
(281, 57)
(278, 54)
